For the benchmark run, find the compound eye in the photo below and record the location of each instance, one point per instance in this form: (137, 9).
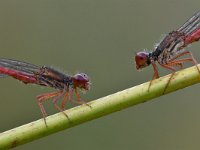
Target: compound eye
(82, 77)
(141, 58)
(79, 77)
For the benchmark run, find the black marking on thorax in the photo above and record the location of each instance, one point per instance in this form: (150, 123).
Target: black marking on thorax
(48, 76)
(167, 46)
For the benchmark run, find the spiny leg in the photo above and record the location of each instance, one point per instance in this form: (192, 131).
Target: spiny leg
(155, 75)
(56, 106)
(179, 65)
(64, 101)
(194, 62)
(48, 95)
(190, 54)
(180, 61)
(43, 97)
(168, 66)
(71, 95)
(174, 63)
(79, 100)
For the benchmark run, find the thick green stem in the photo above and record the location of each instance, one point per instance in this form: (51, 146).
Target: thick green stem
(99, 108)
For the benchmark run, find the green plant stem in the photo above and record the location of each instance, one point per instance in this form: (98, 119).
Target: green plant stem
(99, 108)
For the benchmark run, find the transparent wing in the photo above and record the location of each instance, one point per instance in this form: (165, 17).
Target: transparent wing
(19, 66)
(191, 25)
(3, 75)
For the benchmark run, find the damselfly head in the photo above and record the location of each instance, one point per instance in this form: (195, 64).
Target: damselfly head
(81, 80)
(142, 60)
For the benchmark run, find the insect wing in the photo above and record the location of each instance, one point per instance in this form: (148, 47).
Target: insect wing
(191, 25)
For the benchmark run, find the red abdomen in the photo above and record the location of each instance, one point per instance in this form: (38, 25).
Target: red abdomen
(22, 76)
(195, 36)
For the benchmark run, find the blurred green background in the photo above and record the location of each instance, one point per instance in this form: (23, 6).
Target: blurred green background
(100, 39)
